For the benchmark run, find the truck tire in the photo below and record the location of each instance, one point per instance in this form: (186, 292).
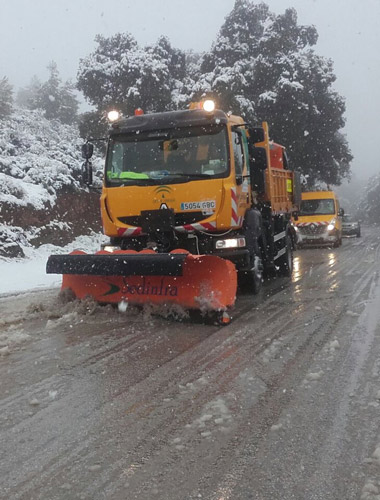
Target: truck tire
(251, 281)
(293, 236)
(285, 262)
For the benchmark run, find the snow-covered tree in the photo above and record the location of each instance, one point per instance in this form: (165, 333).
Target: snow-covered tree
(121, 74)
(68, 110)
(263, 67)
(6, 97)
(369, 206)
(55, 98)
(48, 95)
(27, 96)
(94, 126)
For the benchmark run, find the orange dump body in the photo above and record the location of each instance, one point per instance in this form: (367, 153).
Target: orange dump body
(207, 283)
(276, 152)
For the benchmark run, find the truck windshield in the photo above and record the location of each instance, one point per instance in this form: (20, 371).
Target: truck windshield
(317, 207)
(158, 157)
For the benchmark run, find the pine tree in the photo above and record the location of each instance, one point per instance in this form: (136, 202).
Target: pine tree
(48, 97)
(6, 98)
(68, 110)
(27, 96)
(55, 98)
(369, 205)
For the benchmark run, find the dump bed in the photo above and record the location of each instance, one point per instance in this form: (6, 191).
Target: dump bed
(280, 190)
(282, 186)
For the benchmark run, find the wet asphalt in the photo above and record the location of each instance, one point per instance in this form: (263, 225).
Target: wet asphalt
(283, 403)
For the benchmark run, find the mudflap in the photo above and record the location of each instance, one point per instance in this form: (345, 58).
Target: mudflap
(200, 282)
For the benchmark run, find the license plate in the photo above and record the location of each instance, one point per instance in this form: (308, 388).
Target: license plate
(198, 205)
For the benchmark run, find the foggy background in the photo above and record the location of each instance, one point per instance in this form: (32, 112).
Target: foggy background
(34, 33)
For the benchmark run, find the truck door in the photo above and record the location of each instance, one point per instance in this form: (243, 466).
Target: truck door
(240, 162)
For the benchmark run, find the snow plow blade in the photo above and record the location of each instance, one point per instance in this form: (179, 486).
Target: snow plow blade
(202, 282)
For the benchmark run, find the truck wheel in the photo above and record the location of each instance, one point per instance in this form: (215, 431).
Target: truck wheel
(358, 234)
(285, 262)
(252, 280)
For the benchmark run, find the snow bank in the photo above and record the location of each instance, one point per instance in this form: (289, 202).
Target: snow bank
(30, 273)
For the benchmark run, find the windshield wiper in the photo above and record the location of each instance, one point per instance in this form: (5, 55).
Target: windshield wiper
(134, 182)
(183, 174)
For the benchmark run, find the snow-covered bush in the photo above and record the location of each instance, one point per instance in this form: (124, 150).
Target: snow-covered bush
(38, 159)
(369, 206)
(6, 97)
(41, 196)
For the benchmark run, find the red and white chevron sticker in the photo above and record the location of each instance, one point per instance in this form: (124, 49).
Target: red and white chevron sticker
(129, 231)
(304, 224)
(205, 226)
(235, 219)
(187, 228)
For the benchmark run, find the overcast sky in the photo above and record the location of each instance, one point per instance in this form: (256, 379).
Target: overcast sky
(34, 32)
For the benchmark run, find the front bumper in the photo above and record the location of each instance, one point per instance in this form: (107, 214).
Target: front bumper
(348, 231)
(319, 239)
(239, 256)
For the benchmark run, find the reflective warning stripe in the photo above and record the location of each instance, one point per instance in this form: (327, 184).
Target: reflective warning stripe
(205, 226)
(187, 228)
(235, 219)
(129, 231)
(279, 236)
(279, 253)
(304, 224)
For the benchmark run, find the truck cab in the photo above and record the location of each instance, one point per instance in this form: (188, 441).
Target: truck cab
(319, 219)
(200, 180)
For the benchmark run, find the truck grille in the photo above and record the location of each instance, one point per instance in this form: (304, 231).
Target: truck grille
(180, 219)
(312, 230)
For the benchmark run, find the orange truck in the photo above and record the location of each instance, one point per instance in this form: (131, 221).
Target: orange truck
(195, 202)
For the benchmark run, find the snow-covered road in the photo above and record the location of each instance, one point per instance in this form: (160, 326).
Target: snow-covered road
(281, 404)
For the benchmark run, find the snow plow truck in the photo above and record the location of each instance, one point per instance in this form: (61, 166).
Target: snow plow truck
(195, 203)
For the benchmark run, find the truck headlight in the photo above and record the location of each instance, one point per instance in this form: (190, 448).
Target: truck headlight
(230, 243)
(113, 115)
(111, 248)
(331, 226)
(209, 105)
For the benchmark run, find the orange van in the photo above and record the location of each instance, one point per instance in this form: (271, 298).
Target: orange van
(319, 219)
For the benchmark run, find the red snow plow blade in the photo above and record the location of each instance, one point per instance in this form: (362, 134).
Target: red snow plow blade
(203, 282)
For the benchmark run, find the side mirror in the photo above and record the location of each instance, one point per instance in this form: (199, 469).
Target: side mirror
(256, 134)
(341, 212)
(87, 150)
(87, 173)
(258, 160)
(295, 215)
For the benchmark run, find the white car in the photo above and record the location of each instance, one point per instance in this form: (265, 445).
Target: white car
(350, 226)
